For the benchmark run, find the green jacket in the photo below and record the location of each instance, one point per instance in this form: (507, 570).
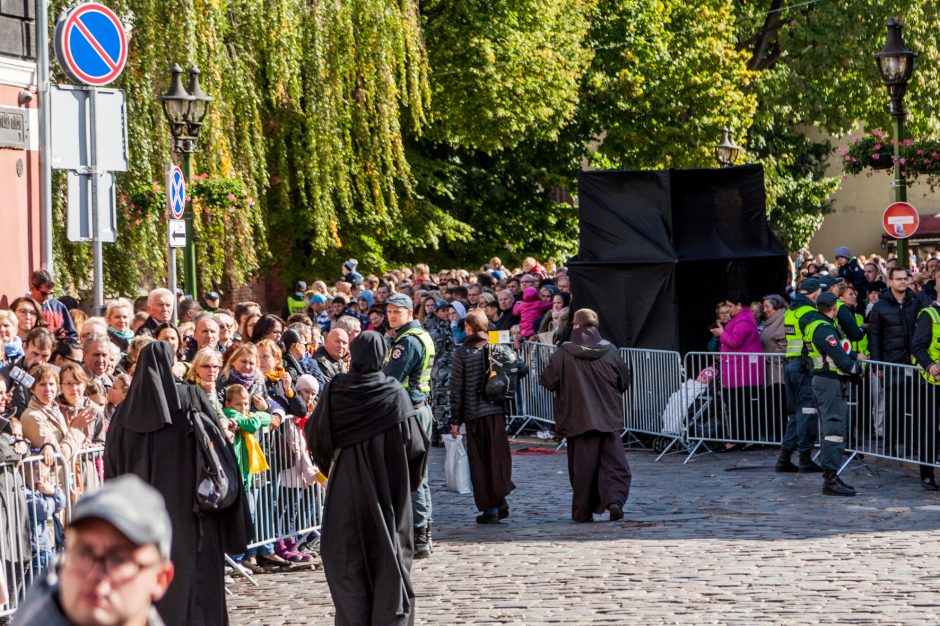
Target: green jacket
(252, 423)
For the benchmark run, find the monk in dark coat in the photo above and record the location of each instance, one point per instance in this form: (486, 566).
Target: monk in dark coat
(364, 434)
(589, 378)
(150, 436)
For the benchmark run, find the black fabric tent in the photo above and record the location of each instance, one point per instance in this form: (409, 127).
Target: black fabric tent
(659, 250)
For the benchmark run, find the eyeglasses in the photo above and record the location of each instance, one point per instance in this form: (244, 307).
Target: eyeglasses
(120, 568)
(27, 312)
(211, 366)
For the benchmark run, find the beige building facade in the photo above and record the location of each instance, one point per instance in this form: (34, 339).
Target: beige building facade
(858, 207)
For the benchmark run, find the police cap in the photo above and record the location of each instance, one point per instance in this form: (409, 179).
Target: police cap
(826, 300)
(400, 300)
(809, 285)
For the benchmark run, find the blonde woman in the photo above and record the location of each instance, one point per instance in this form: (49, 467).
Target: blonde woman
(119, 315)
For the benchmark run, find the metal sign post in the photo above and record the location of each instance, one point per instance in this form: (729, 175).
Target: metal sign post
(176, 205)
(91, 47)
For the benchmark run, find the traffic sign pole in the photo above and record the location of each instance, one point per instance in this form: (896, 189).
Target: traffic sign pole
(97, 260)
(900, 186)
(189, 254)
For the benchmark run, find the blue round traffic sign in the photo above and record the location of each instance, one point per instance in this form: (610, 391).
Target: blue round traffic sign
(176, 192)
(91, 44)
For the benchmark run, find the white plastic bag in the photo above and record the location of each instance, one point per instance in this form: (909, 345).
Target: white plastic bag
(457, 464)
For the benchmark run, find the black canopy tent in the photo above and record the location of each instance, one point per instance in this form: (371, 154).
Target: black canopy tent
(659, 250)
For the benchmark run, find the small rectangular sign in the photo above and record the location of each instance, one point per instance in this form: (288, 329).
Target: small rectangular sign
(177, 233)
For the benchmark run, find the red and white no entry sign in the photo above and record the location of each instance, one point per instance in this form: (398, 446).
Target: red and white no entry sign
(900, 220)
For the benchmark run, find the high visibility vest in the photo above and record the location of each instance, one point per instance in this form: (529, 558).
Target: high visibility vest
(820, 362)
(860, 346)
(296, 306)
(791, 324)
(933, 350)
(424, 378)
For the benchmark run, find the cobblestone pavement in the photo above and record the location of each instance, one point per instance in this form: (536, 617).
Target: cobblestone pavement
(722, 540)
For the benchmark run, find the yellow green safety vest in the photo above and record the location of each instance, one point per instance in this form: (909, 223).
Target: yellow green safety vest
(820, 362)
(791, 324)
(933, 350)
(424, 379)
(296, 306)
(860, 346)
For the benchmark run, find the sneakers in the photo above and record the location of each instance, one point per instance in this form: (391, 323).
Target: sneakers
(616, 511)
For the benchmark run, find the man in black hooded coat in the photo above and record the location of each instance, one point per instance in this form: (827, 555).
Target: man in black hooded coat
(150, 436)
(365, 435)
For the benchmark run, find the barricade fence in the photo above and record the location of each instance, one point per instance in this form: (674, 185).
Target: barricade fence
(709, 399)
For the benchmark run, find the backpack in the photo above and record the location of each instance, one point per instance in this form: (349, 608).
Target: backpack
(217, 479)
(503, 373)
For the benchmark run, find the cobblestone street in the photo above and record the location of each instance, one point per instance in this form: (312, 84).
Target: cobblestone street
(722, 540)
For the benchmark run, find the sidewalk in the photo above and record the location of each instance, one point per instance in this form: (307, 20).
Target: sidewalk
(722, 540)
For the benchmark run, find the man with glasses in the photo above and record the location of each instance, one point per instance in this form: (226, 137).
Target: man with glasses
(116, 563)
(57, 316)
(37, 348)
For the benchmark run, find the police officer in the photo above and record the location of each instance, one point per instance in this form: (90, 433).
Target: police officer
(409, 361)
(845, 318)
(296, 303)
(832, 364)
(802, 428)
(925, 350)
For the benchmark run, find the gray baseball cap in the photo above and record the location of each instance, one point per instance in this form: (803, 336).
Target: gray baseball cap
(400, 299)
(132, 506)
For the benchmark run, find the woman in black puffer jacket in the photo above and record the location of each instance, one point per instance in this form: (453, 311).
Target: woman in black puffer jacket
(487, 444)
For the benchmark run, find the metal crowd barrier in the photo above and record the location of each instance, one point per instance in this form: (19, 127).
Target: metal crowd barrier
(285, 500)
(534, 403)
(34, 505)
(649, 403)
(735, 398)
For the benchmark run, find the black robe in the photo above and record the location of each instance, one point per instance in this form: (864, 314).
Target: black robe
(365, 435)
(150, 436)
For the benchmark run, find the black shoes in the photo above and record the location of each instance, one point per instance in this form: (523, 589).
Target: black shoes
(487, 518)
(807, 464)
(616, 511)
(833, 486)
(928, 483)
(503, 510)
(422, 543)
(784, 464)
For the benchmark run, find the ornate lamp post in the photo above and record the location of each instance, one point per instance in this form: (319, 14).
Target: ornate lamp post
(185, 110)
(895, 64)
(726, 151)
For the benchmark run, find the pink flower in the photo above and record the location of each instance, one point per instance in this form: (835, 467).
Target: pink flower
(903, 160)
(907, 142)
(250, 202)
(920, 152)
(877, 133)
(231, 197)
(137, 221)
(877, 146)
(935, 155)
(132, 206)
(856, 140)
(875, 156)
(842, 150)
(848, 158)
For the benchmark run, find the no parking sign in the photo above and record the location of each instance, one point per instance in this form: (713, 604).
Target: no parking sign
(91, 44)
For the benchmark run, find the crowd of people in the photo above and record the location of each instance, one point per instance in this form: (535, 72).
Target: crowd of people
(130, 379)
(883, 312)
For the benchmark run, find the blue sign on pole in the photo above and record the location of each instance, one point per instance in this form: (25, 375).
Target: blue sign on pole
(91, 44)
(176, 192)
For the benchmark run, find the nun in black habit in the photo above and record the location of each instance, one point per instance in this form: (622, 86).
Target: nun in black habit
(150, 436)
(364, 435)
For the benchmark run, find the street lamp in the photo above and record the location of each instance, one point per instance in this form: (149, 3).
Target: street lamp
(726, 151)
(895, 64)
(185, 110)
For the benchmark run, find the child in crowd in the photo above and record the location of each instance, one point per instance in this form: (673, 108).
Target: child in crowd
(44, 500)
(245, 422)
(530, 309)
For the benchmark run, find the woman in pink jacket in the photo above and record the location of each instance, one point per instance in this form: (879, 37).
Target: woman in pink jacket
(529, 310)
(742, 377)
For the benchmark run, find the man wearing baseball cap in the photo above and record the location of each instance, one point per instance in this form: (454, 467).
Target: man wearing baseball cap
(802, 427)
(410, 361)
(832, 363)
(115, 565)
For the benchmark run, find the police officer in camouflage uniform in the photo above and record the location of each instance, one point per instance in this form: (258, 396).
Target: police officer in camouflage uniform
(409, 361)
(833, 362)
(440, 332)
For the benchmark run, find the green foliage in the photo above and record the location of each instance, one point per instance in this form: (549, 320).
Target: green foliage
(504, 70)
(665, 79)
